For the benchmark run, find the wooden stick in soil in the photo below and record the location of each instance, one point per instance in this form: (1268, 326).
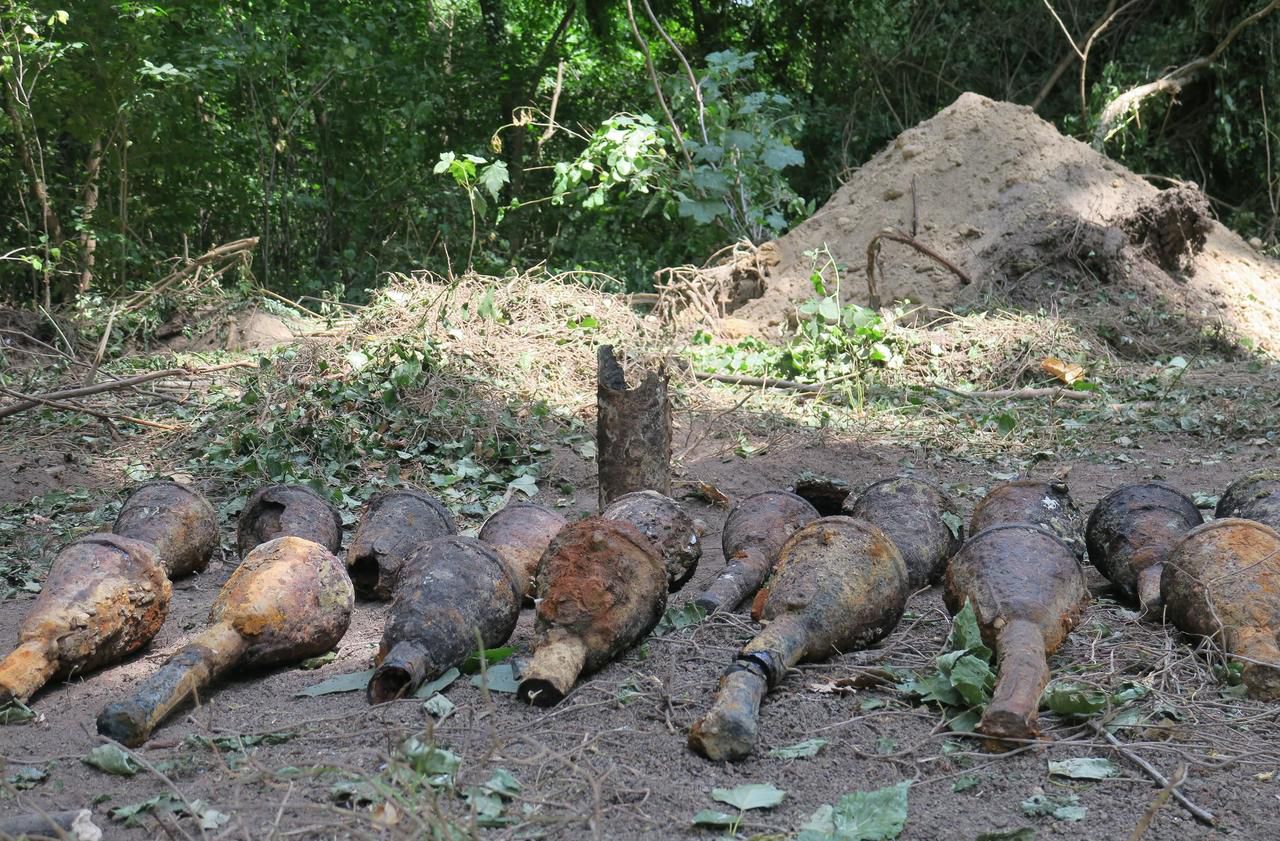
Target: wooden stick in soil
(84, 391)
(895, 235)
(633, 431)
(1202, 815)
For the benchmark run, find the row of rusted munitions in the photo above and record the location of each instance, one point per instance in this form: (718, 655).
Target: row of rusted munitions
(823, 585)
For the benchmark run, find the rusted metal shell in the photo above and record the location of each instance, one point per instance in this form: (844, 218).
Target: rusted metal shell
(393, 525)
(105, 597)
(674, 533)
(753, 534)
(1222, 580)
(1028, 592)
(453, 591)
(840, 585)
(288, 510)
(176, 520)
(1131, 531)
(521, 533)
(290, 599)
(1046, 504)
(910, 512)
(601, 589)
(1255, 496)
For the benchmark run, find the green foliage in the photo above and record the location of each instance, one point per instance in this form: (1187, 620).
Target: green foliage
(964, 678)
(861, 816)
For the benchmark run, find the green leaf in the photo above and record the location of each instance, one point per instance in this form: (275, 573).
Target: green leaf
(1063, 808)
(965, 783)
(438, 764)
(431, 687)
(446, 159)
(965, 635)
(16, 712)
(438, 706)
(679, 618)
(750, 796)
(973, 679)
(503, 783)
(954, 523)
(160, 803)
(316, 662)
(27, 778)
(1074, 699)
(342, 683)
(779, 157)
(799, 750)
(500, 678)
(492, 657)
(493, 177)
(1084, 768)
(709, 817)
(113, 760)
(526, 485)
(861, 816)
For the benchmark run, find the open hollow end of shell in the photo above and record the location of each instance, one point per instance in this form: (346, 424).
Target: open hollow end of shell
(123, 722)
(541, 692)
(365, 576)
(388, 683)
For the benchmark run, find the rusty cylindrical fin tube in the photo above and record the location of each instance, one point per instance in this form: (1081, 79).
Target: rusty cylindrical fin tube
(393, 525)
(451, 590)
(753, 534)
(290, 599)
(1046, 504)
(1130, 533)
(176, 520)
(840, 585)
(672, 531)
(1027, 592)
(1254, 496)
(288, 510)
(521, 533)
(1222, 581)
(911, 512)
(601, 588)
(105, 597)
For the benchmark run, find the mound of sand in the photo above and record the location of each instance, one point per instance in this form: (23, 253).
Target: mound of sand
(1032, 217)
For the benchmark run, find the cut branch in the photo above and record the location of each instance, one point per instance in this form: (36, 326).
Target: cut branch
(1020, 393)
(895, 235)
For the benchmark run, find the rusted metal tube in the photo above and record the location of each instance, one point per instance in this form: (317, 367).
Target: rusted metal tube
(839, 585)
(1027, 592)
(290, 599)
(911, 512)
(105, 597)
(393, 525)
(453, 591)
(601, 588)
(753, 534)
(1222, 581)
(1130, 533)
(673, 532)
(1254, 496)
(521, 533)
(1046, 504)
(288, 510)
(176, 520)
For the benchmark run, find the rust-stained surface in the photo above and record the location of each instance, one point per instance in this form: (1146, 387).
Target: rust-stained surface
(1130, 533)
(105, 597)
(839, 585)
(451, 590)
(911, 512)
(601, 588)
(521, 533)
(1046, 504)
(633, 430)
(1028, 592)
(1222, 580)
(176, 520)
(753, 534)
(393, 525)
(1254, 496)
(673, 532)
(288, 600)
(292, 510)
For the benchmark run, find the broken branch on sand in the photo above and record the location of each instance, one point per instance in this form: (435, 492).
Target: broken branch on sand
(1019, 393)
(873, 251)
(1202, 815)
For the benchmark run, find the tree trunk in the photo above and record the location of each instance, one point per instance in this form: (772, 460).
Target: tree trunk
(633, 431)
(89, 198)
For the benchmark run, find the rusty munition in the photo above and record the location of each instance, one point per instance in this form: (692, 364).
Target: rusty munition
(288, 600)
(1046, 504)
(453, 591)
(1131, 531)
(753, 534)
(914, 514)
(393, 524)
(521, 533)
(1254, 496)
(839, 585)
(669, 527)
(601, 588)
(105, 597)
(177, 521)
(293, 510)
(1222, 581)
(1028, 592)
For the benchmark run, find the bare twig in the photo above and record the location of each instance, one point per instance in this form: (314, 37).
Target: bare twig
(657, 85)
(895, 235)
(1202, 815)
(102, 348)
(1019, 393)
(75, 407)
(1157, 803)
